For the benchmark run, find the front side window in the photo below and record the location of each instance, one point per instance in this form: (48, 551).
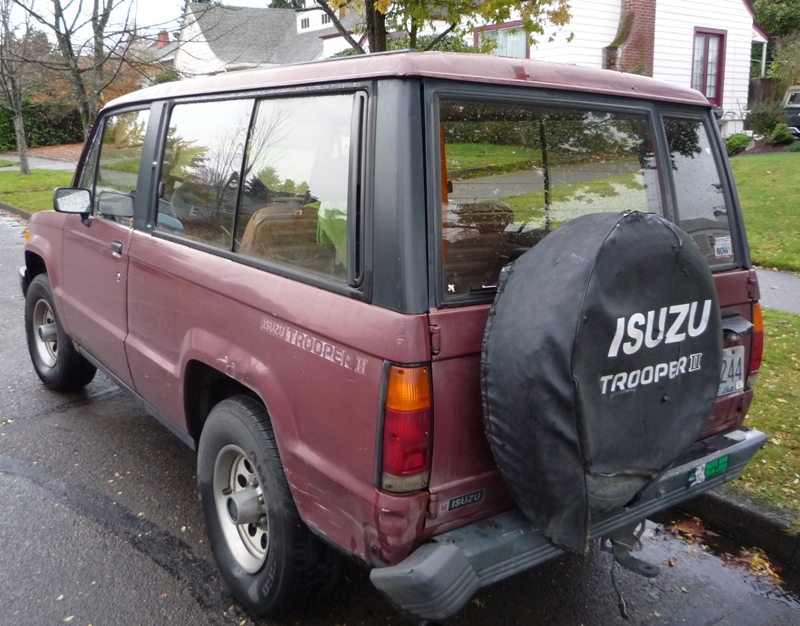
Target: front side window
(118, 166)
(511, 174)
(200, 170)
(294, 209)
(701, 206)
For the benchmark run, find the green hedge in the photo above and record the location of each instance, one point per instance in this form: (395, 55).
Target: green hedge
(47, 123)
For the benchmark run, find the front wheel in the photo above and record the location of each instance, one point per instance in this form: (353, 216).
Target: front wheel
(60, 366)
(269, 558)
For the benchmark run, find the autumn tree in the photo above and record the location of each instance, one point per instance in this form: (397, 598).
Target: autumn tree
(462, 16)
(96, 46)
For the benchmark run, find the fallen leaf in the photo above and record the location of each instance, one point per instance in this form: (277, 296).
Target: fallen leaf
(61, 597)
(68, 619)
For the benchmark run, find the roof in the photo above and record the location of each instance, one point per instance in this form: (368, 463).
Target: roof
(756, 27)
(479, 68)
(256, 36)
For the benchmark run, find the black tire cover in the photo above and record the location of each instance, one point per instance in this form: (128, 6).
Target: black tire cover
(582, 408)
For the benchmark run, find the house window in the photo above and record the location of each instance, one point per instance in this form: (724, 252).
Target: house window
(709, 63)
(304, 22)
(326, 18)
(510, 39)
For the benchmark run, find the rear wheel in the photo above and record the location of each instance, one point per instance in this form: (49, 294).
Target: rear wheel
(60, 366)
(271, 561)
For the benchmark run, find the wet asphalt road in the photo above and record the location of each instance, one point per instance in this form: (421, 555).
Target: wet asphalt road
(101, 525)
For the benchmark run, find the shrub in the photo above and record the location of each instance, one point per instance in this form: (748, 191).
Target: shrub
(763, 117)
(794, 147)
(736, 143)
(47, 123)
(781, 135)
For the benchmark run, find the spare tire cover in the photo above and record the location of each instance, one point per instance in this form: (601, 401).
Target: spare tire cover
(600, 367)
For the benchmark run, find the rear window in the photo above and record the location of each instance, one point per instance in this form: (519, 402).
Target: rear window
(701, 205)
(511, 174)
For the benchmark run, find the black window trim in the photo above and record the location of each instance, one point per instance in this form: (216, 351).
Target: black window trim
(435, 91)
(363, 101)
(741, 256)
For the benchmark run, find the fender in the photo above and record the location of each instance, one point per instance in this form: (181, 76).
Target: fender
(314, 480)
(46, 238)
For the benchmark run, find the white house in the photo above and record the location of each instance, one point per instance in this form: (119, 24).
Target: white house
(218, 38)
(704, 45)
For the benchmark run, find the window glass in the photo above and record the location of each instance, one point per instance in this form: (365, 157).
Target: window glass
(118, 167)
(509, 42)
(90, 165)
(294, 203)
(701, 204)
(512, 174)
(201, 168)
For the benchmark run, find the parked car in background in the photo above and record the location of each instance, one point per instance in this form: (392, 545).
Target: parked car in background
(790, 115)
(450, 315)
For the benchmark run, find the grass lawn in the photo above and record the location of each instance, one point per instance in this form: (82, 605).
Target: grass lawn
(769, 188)
(774, 474)
(6, 163)
(32, 193)
(463, 156)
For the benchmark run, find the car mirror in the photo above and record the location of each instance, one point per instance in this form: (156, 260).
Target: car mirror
(70, 200)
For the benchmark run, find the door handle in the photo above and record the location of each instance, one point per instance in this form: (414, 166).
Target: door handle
(116, 248)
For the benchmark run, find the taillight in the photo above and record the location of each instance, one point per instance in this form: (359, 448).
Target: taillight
(757, 347)
(406, 430)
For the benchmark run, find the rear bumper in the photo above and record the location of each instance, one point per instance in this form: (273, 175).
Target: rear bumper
(438, 578)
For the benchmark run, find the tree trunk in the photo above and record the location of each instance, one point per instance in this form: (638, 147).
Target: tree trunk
(376, 27)
(22, 145)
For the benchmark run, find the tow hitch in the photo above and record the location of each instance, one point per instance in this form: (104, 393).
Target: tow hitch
(621, 542)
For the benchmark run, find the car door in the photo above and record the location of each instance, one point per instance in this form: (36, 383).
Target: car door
(95, 250)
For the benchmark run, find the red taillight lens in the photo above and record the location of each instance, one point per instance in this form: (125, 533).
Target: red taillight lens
(407, 430)
(406, 442)
(757, 347)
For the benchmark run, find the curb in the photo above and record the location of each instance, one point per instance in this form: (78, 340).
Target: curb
(736, 515)
(18, 212)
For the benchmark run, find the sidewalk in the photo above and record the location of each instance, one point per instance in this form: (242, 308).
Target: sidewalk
(780, 290)
(39, 163)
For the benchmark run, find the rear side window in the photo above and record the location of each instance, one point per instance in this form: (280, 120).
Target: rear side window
(201, 168)
(117, 169)
(512, 174)
(268, 179)
(701, 206)
(294, 208)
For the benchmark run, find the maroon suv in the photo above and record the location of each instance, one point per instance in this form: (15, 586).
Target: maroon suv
(449, 314)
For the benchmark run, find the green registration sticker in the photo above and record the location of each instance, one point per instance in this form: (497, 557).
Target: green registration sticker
(708, 470)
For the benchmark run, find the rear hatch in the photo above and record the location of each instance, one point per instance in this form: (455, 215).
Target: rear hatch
(510, 175)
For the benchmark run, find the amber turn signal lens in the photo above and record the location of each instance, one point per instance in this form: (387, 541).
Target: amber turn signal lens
(409, 389)
(27, 235)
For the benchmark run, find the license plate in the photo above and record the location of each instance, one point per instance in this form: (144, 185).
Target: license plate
(731, 378)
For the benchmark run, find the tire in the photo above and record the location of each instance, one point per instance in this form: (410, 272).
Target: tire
(274, 565)
(55, 359)
(600, 367)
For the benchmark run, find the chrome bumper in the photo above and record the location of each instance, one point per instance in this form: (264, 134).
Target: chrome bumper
(439, 578)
